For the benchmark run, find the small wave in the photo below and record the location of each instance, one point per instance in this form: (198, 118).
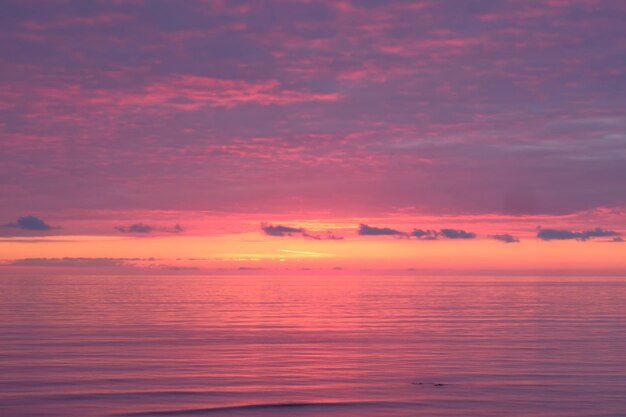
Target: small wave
(252, 407)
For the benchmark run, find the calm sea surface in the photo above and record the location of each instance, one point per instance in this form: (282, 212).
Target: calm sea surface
(312, 346)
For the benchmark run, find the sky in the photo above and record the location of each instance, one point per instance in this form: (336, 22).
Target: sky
(312, 136)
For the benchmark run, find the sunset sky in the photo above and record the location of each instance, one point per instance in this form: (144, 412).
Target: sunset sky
(309, 137)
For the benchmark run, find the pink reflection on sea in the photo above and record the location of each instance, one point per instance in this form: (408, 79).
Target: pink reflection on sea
(309, 346)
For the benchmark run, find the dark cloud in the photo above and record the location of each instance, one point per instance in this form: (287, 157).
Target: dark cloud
(136, 228)
(280, 230)
(457, 234)
(30, 223)
(425, 234)
(554, 234)
(422, 234)
(250, 268)
(365, 230)
(618, 239)
(557, 234)
(506, 238)
(599, 232)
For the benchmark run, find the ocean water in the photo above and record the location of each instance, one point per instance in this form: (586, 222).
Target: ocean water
(312, 346)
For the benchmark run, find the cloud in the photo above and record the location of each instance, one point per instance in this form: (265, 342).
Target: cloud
(30, 223)
(74, 262)
(506, 238)
(425, 234)
(599, 232)
(557, 234)
(136, 228)
(554, 234)
(618, 239)
(457, 234)
(365, 230)
(422, 234)
(280, 230)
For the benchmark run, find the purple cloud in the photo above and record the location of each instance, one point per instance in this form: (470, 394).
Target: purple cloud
(348, 107)
(280, 230)
(457, 234)
(558, 234)
(425, 234)
(365, 230)
(30, 223)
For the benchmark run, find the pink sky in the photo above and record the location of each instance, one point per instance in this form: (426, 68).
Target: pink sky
(162, 136)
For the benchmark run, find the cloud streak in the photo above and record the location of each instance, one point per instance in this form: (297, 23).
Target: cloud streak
(559, 234)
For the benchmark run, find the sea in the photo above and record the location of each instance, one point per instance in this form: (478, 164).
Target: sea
(312, 346)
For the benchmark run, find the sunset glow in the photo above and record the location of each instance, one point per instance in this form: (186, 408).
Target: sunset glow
(175, 132)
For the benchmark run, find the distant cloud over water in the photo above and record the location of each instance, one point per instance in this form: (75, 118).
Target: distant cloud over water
(282, 231)
(558, 234)
(366, 230)
(425, 234)
(30, 223)
(457, 234)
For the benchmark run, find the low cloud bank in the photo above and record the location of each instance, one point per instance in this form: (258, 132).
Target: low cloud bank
(421, 234)
(559, 234)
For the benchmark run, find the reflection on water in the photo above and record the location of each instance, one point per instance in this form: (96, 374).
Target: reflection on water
(312, 346)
